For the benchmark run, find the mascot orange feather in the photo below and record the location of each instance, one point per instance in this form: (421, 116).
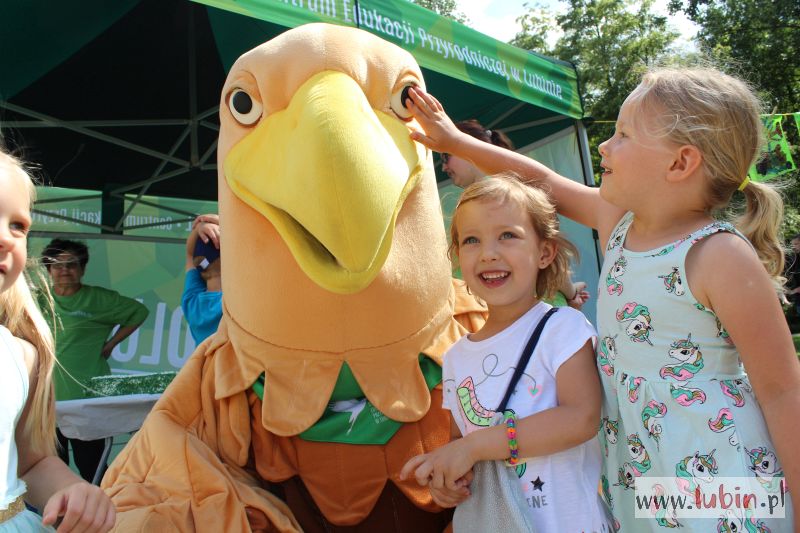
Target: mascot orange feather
(338, 307)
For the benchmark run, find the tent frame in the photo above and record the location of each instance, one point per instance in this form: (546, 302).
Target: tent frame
(113, 217)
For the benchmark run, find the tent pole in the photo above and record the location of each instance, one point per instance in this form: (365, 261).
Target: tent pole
(207, 113)
(95, 123)
(505, 115)
(192, 52)
(534, 123)
(150, 181)
(211, 150)
(146, 186)
(588, 179)
(91, 133)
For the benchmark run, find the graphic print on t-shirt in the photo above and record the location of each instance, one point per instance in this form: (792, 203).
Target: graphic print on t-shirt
(477, 414)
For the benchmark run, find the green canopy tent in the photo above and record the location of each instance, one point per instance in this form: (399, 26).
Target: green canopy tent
(117, 102)
(97, 91)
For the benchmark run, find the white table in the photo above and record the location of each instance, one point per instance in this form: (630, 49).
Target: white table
(102, 418)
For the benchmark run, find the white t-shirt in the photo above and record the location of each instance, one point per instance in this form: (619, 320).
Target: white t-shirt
(561, 489)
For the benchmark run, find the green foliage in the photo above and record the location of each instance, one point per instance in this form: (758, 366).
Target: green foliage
(446, 8)
(761, 38)
(791, 213)
(611, 42)
(536, 23)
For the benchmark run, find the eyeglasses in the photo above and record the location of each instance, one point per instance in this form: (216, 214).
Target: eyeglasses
(68, 265)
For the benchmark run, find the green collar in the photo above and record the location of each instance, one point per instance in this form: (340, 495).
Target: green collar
(350, 418)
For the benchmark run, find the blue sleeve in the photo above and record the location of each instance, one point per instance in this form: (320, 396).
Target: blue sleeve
(202, 309)
(193, 287)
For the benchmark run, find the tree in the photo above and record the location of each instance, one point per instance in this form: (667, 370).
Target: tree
(536, 24)
(761, 38)
(446, 8)
(610, 42)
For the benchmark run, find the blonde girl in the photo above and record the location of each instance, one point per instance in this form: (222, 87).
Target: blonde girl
(691, 332)
(506, 238)
(30, 471)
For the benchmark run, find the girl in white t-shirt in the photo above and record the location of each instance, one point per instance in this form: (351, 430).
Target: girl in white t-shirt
(505, 235)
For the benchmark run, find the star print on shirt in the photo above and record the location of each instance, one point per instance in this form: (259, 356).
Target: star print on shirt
(538, 484)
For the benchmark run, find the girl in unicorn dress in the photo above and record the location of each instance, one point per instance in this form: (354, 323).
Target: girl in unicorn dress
(689, 358)
(30, 472)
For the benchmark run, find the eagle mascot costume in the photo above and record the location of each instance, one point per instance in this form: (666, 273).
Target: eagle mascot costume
(324, 376)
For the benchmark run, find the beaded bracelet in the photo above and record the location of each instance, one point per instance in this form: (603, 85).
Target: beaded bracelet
(510, 419)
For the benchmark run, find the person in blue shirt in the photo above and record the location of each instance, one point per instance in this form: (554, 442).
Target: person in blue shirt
(202, 291)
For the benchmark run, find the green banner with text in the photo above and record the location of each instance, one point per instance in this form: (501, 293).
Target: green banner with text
(148, 267)
(437, 43)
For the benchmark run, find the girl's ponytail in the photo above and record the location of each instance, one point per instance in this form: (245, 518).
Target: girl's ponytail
(760, 223)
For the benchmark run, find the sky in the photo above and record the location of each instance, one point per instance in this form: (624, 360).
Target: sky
(498, 17)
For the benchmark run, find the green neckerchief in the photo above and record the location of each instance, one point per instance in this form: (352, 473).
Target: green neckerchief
(350, 418)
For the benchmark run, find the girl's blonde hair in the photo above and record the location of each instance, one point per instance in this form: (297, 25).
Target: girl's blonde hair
(507, 188)
(720, 115)
(20, 314)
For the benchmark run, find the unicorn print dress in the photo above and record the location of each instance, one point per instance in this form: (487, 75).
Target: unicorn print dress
(677, 403)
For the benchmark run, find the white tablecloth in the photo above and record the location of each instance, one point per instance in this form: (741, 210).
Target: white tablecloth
(98, 418)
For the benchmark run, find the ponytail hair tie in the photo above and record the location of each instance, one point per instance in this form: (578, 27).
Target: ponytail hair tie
(744, 183)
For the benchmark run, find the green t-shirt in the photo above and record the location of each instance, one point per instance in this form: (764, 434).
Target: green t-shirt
(558, 300)
(85, 320)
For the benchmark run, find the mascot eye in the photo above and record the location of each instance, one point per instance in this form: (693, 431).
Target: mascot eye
(244, 108)
(398, 102)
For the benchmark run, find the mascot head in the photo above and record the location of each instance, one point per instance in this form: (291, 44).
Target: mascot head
(335, 248)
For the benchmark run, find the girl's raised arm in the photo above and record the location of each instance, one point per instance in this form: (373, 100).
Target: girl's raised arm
(573, 200)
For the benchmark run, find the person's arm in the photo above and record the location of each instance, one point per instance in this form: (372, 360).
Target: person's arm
(573, 200)
(723, 272)
(572, 422)
(122, 333)
(205, 228)
(52, 486)
(444, 496)
(126, 312)
(577, 295)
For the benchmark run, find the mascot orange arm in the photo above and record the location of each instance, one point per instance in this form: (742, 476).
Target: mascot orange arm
(334, 264)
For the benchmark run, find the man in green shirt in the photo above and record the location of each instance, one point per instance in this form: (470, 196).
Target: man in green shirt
(85, 317)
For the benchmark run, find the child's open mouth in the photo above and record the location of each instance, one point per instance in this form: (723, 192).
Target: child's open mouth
(494, 278)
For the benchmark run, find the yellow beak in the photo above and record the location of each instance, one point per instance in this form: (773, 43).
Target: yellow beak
(331, 174)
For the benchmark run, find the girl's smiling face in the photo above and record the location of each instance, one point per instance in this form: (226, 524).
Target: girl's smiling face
(500, 255)
(15, 221)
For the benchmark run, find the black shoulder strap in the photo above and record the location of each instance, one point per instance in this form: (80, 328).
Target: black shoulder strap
(525, 357)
